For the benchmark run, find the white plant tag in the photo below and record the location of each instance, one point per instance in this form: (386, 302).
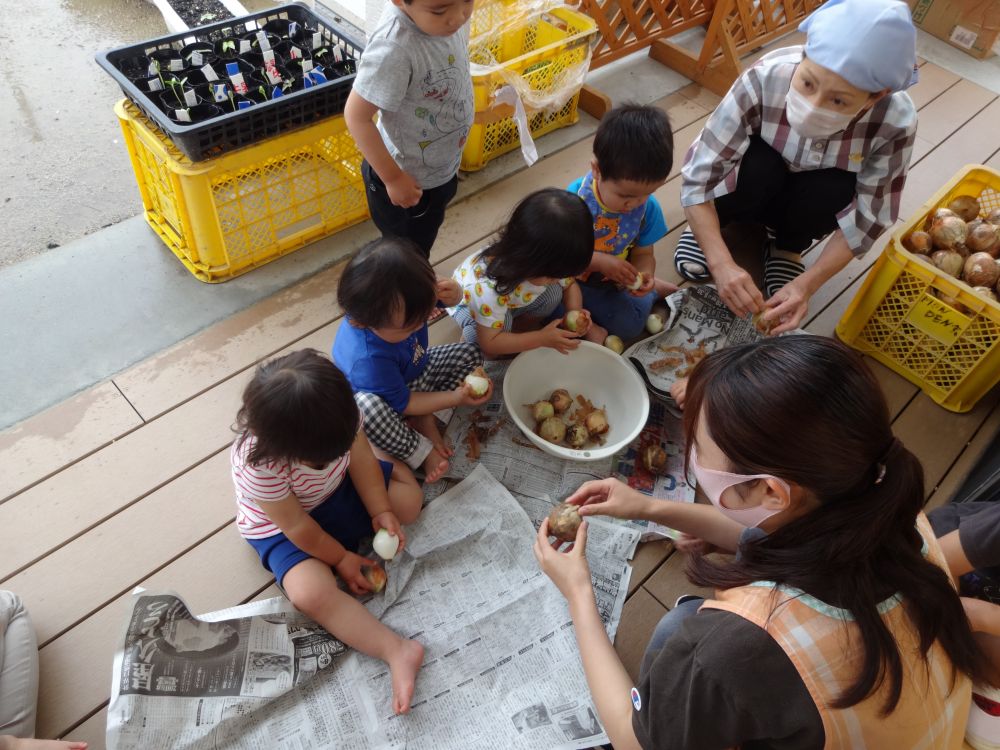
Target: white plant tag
(155, 85)
(295, 53)
(239, 85)
(273, 76)
(337, 54)
(190, 97)
(317, 39)
(262, 41)
(176, 64)
(183, 115)
(219, 92)
(209, 72)
(307, 65)
(196, 59)
(269, 58)
(244, 45)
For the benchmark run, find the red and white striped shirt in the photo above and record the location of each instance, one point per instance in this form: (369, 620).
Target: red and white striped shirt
(259, 484)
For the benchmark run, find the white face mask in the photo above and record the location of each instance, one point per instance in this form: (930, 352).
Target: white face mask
(813, 122)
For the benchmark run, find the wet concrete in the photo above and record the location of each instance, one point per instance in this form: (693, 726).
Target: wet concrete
(65, 172)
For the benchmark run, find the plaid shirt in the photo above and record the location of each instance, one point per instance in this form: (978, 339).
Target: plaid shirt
(876, 147)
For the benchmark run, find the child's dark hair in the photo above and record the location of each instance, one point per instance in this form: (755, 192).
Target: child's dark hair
(634, 143)
(299, 408)
(386, 277)
(550, 233)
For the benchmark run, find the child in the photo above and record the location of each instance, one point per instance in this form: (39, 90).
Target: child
(415, 74)
(387, 291)
(633, 154)
(308, 488)
(527, 272)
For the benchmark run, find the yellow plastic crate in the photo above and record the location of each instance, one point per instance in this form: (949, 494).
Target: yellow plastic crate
(226, 216)
(952, 355)
(536, 50)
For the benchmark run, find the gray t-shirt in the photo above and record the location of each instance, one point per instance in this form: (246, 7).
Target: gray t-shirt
(423, 89)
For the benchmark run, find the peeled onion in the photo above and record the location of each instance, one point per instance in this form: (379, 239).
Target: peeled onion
(552, 429)
(597, 422)
(615, 344)
(654, 324)
(965, 206)
(918, 242)
(949, 262)
(948, 232)
(542, 410)
(560, 400)
(637, 284)
(981, 270)
(574, 320)
(385, 544)
(478, 382)
(983, 238)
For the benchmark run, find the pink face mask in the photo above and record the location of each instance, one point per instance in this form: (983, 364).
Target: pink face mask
(715, 483)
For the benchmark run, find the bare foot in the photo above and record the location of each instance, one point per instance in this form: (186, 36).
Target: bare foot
(596, 333)
(404, 665)
(435, 465)
(663, 288)
(678, 391)
(426, 425)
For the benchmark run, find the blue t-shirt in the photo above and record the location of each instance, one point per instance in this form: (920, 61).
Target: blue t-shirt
(373, 365)
(617, 233)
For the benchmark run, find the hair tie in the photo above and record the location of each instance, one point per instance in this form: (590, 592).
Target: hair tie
(886, 455)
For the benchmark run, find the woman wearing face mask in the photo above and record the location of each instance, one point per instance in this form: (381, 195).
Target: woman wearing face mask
(836, 626)
(809, 140)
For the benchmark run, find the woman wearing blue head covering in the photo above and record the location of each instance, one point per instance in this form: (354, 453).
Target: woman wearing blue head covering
(810, 140)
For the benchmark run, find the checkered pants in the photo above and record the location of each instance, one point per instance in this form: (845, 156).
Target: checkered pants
(387, 429)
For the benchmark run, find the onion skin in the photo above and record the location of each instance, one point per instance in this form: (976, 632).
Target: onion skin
(574, 320)
(564, 521)
(654, 458)
(376, 577)
(597, 422)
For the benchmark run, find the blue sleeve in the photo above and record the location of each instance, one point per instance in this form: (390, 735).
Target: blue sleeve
(574, 186)
(654, 227)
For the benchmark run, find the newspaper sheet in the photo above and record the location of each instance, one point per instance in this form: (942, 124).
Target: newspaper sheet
(529, 472)
(501, 669)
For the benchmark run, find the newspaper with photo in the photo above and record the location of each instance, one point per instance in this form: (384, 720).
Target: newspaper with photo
(501, 667)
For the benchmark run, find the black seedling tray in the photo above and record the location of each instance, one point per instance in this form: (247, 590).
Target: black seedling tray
(233, 130)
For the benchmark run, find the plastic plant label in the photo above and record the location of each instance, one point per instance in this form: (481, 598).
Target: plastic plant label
(273, 76)
(176, 64)
(317, 39)
(317, 76)
(220, 92)
(190, 98)
(337, 54)
(155, 85)
(244, 105)
(295, 53)
(293, 29)
(277, 93)
(197, 59)
(307, 82)
(939, 321)
(183, 115)
(262, 41)
(307, 65)
(239, 85)
(154, 68)
(209, 73)
(244, 46)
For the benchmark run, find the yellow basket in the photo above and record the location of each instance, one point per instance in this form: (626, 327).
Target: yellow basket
(537, 50)
(952, 354)
(226, 216)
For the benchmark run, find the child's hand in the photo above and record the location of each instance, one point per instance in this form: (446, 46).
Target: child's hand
(646, 287)
(583, 323)
(619, 271)
(404, 191)
(387, 520)
(449, 292)
(557, 338)
(350, 567)
(465, 397)
(678, 391)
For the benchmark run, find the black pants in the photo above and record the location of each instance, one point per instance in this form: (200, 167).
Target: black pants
(798, 206)
(419, 223)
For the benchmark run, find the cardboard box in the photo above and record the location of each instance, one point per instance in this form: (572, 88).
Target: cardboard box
(971, 25)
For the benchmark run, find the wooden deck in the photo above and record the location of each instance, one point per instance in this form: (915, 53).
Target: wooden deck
(127, 484)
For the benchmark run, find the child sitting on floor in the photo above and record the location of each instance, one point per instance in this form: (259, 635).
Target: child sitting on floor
(633, 154)
(308, 489)
(387, 292)
(525, 274)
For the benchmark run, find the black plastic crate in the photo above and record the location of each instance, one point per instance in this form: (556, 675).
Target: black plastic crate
(233, 130)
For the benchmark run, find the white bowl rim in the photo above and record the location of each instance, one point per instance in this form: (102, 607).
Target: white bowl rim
(591, 454)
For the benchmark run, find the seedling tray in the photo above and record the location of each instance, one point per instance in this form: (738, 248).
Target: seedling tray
(234, 130)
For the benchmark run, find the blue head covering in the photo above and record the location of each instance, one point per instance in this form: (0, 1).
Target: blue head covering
(871, 44)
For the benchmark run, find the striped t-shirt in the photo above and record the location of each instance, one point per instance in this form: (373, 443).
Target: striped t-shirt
(271, 481)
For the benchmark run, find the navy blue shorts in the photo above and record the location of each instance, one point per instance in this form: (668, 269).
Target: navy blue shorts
(342, 515)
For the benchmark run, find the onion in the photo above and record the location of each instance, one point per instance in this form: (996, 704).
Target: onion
(637, 284)
(560, 400)
(949, 262)
(985, 291)
(937, 213)
(385, 544)
(574, 320)
(953, 301)
(965, 206)
(478, 382)
(994, 216)
(542, 410)
(376, 577)
(948, 232)
(552, 429)
(918, 242)
(983, 238)
(615, 344)
(597, 422)
(761, 324)
(577, 436)
(654, 324)
(981, 270)
(654, 458)
(564, 521)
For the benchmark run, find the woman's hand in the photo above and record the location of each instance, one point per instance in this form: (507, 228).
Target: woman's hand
(387, 520)
(350, 569)
(737, 290)
(609, 497)
(449, 292)
(787, 307)
(568, 570)
(693, 545)
(557, 338)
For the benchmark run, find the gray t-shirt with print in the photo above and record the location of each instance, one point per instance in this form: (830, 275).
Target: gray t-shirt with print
(423, 89)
